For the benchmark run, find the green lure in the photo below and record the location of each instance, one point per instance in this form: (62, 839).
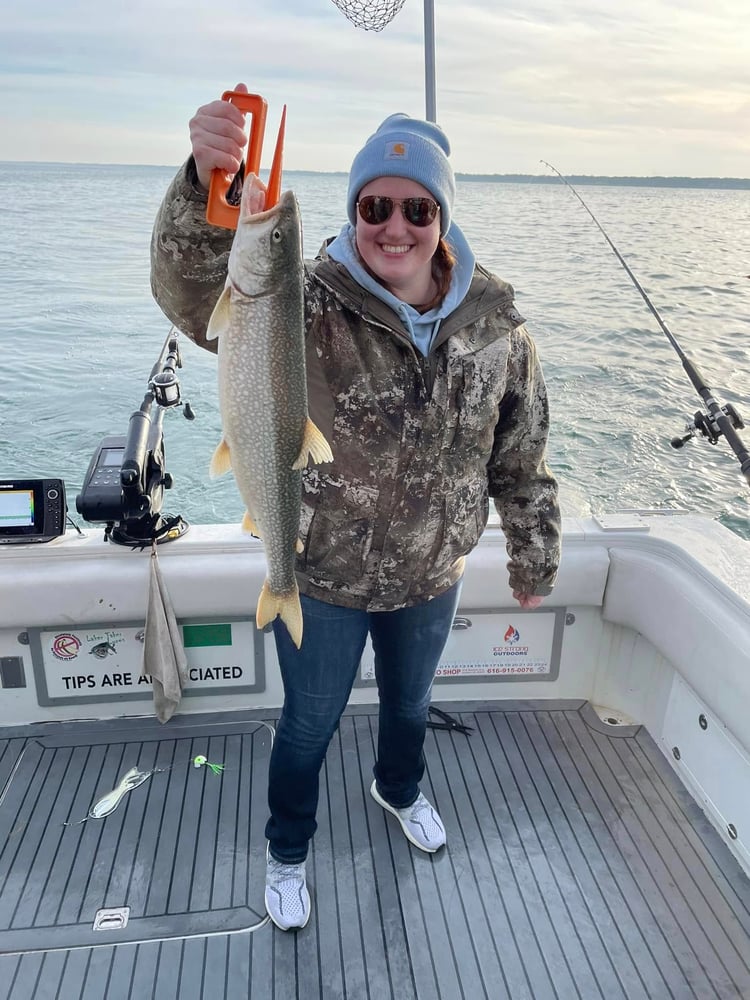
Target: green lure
(200, 760)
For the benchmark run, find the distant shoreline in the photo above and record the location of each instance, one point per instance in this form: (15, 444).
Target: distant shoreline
(734, 183)
(727, 183)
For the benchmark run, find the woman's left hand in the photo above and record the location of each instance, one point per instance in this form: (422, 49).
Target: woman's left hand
(528, 601)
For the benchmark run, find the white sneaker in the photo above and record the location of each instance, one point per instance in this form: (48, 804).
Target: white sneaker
(419, 821)
(287, 898)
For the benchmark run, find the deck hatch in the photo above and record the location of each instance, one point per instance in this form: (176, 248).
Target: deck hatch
(182, 853)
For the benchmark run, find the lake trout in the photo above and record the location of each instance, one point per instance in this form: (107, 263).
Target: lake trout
(267, 433)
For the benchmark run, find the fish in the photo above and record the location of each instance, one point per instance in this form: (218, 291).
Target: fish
(267, 434)
(102, 649)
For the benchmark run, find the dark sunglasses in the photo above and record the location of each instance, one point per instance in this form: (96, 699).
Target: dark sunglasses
(376, 209)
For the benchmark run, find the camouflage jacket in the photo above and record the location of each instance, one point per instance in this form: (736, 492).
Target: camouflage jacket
(420, 444)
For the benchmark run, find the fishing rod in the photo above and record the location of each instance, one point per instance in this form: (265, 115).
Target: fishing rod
(718, 420)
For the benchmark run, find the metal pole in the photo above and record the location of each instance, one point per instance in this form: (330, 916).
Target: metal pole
(429, 60)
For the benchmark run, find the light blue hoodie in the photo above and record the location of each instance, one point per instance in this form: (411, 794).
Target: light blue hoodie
(422, 327)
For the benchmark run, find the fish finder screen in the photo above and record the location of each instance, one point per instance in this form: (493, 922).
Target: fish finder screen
(112, 456)
(16, 508)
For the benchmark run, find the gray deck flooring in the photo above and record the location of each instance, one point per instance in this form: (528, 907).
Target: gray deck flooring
(577, 866)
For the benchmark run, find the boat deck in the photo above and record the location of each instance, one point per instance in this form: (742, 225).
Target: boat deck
(577, 866)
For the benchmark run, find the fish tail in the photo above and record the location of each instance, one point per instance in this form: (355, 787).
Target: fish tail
(287, 605)
(221, 461)
(313, 444)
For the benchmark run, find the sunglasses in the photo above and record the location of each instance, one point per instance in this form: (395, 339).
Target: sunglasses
(376, 209)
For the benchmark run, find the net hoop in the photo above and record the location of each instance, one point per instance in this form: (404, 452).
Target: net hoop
(371, 15)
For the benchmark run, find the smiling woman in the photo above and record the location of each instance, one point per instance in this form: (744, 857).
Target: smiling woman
(405, 161)
(425, 382)
(397, 252)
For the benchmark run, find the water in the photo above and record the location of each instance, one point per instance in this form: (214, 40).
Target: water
(81, 332)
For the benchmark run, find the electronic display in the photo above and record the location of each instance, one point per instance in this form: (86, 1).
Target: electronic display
(112, 456)
(16, 508)
(32, 510)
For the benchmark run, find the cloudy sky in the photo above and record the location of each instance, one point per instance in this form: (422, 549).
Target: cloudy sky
(618, 87)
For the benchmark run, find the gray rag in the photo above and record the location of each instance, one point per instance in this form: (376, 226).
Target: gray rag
(164, 659)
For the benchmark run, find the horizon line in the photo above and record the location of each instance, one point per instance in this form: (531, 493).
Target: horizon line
(459, 174)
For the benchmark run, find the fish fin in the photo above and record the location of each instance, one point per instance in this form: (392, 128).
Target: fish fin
(314, 444)
(219, 319)
(249, 525)
(299, 546)
(221, 461)
(270, 605)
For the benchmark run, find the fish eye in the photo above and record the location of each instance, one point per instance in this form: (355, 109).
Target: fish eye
(276, 236)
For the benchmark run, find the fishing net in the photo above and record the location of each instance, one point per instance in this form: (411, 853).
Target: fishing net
(372, 15)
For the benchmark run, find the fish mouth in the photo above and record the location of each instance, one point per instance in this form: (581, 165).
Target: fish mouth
(286, 203)
(257, 218)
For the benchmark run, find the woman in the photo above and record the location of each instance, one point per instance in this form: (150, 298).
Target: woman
(424, 380)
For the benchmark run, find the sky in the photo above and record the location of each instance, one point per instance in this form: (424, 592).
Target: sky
(618, 87)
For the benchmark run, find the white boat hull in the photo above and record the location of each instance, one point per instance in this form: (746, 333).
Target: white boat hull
(649, 622)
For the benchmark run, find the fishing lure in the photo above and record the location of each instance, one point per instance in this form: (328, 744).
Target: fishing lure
(200, 760)
(130, 780)
(109, 802)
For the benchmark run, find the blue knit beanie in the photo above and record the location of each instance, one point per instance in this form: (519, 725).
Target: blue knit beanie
(406, 147)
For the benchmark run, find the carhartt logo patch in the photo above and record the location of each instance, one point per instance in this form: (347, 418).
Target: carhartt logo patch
(396, 151)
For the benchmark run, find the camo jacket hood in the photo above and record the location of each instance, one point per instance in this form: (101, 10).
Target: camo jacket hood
(420, 444)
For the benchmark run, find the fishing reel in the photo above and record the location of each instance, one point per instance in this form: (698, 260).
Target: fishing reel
(708, 426)
(126, 479)
(718, 421)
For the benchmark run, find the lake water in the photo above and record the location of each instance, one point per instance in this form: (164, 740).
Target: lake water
(81, 332)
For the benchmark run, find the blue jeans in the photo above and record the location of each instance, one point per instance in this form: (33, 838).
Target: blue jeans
(318, 680)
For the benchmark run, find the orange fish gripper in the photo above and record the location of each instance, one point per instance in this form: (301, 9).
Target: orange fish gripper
(218, 210)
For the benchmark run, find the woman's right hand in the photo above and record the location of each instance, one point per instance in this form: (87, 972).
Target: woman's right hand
(217, 136)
